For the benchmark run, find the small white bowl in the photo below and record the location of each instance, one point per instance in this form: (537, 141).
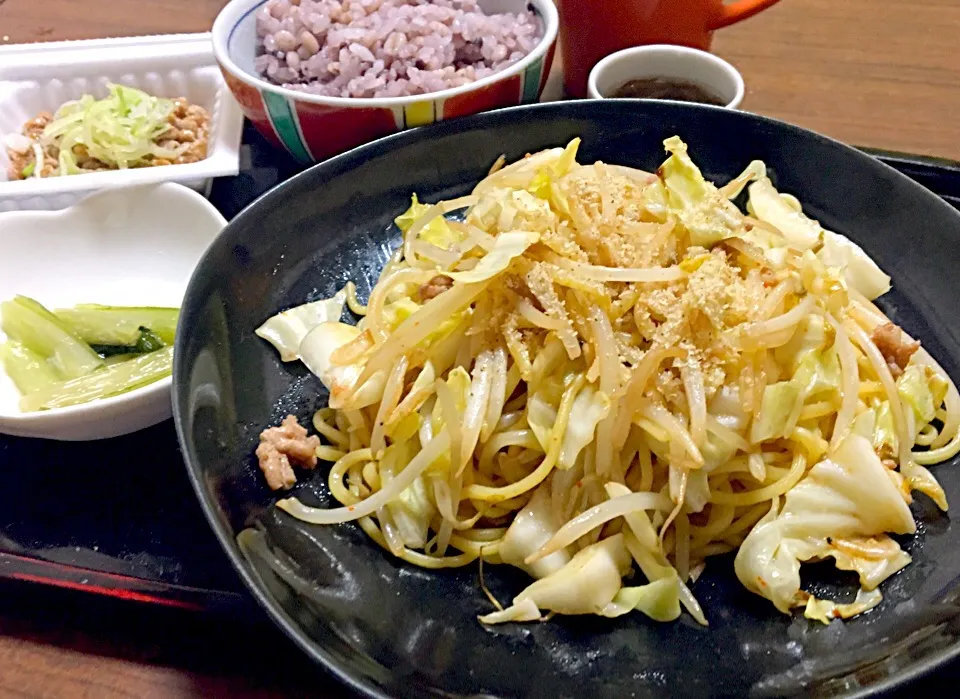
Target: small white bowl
(133, 246)
(671, 62)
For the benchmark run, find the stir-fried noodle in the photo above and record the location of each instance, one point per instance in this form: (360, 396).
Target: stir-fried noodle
(599, 369)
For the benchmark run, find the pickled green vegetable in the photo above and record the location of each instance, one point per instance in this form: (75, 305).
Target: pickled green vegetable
(148, 341)
(83, 353)
(109, 381)
(119, 326)
(40, 331)
(119, 358)
(29, 371)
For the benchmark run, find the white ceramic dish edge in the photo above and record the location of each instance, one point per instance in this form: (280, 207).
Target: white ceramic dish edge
(174, 226)
(38, 77)
(667, 61)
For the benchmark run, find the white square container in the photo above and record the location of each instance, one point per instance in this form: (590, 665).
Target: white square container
(40, 77)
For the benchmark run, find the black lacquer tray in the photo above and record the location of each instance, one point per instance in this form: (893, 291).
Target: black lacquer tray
(118, 517)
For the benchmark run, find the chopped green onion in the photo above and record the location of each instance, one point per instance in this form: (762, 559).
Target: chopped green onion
(120, 130)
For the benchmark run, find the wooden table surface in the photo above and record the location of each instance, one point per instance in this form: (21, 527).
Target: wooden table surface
(872, 73)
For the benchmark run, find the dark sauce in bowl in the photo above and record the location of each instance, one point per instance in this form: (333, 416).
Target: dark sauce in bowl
(667, 89)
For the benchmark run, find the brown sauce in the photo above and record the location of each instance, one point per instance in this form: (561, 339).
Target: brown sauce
(667, 89)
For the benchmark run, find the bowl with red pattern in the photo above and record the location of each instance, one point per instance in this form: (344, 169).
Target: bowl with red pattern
(313, 127)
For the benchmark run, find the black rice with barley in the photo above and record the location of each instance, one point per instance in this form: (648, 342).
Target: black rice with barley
(387, 48)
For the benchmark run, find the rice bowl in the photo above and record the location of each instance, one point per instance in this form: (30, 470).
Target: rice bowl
(314, 126)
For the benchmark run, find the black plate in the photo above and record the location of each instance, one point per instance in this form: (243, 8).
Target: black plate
(386, 628)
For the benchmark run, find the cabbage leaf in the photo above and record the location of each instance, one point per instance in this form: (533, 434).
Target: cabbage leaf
(534, 526)
(809, 338)
(541, 416)
(842, 509)
(437, 232)
(859, 270)
(768, 205)
(914, 391)
(412, 510)
(286, 330)
(818, 372)
(659, 600)
(589, 408)
(884, 432)
(779, 410)
(585, 585)
(784, 212)
(316, 352)
(826, 611)
(506, 248)
(707, 215)
(543, 184)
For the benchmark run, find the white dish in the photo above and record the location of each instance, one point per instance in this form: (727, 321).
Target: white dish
(667, 61)
(41, 77)
(132, 246)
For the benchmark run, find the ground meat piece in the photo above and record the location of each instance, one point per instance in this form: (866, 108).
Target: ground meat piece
(896, 352)
(281, 445)
(435, 287)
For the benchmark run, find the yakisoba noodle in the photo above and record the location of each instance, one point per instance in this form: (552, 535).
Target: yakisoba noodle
(598, 369)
